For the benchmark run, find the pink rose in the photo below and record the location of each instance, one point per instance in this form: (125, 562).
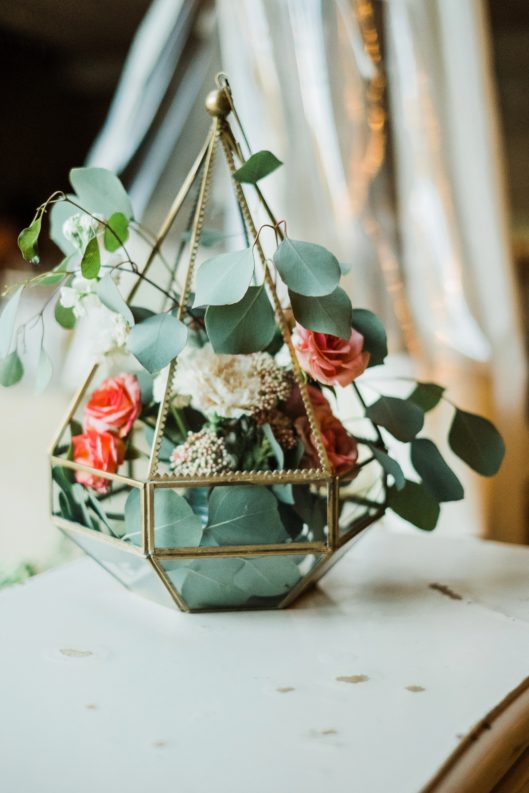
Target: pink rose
(329, 359)
(294, 407)
(100, 450)
(114, 406)
(341, 448)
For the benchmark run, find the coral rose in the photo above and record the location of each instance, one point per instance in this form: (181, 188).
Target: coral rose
(100, 450)
(114, 406)
(329, 359)
(341, 448)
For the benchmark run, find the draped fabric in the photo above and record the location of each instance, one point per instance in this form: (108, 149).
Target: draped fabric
(416, 206)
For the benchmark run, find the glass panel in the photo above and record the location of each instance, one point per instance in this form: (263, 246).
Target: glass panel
(101, 511)
(236, 582)
(132, 570)
(239, 514)
(360, 497)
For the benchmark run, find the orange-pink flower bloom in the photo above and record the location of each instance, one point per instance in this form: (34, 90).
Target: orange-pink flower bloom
(100, 450)
(341, 448)
(329, 359)
(114, 406)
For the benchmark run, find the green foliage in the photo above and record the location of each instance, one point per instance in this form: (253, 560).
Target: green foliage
(398, 416)
(426, 395)
(91, 261)
(244, 327)
(244, 515)
(374, 333)
(436, 475)
(207, 582)
(256, 167)
(224, 280)
(166, 447)
(111, 297)
(175, 523)
(157, 340)
(7, 321)
(476, 441)
(64, 316)
(275, 446)
(59, 214)
(100, 191)
(390, 466)
(11, 370)
(208, 237)
(28, 241)
(327, 314)
(44, 371)
(116, 231)
(267, 577)
(306, 268)
(415, 504)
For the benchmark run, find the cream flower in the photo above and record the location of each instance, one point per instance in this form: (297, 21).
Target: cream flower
(80, 295)
(230, 385)
(79, 229)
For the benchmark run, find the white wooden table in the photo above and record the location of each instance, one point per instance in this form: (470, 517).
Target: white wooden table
(369, 685)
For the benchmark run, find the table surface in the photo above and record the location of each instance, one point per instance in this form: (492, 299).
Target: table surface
(366, 686)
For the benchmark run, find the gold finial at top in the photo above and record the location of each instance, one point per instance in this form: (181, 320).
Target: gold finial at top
(218, 103)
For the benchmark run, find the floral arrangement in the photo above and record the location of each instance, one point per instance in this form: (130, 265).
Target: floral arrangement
(224, 387)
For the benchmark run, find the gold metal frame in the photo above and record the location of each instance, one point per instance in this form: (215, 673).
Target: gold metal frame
(219, 104)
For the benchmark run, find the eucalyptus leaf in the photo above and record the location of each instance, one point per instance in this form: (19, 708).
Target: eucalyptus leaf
(327, 314)
(64, 316)
(415, 504)
(146, 383)
(426, 395)
(477, 442)
(44, 371)
(275, 446)
(166, 447)
(91, 261)
(49, 279)
(436, 475)
(116, 231)
(207, 583)
(244, 327)
(306, 268)
(11, 369)
(7, 321)
(157, 340)
(256, 167)
(60, 212)
(100, 191)
(224, 279)
(28, 241)
(244, 515)
(390, 466)
(374, 333)
(111, 297)
(267, 577)
(283, 493)
(175, 523)
(401, 418)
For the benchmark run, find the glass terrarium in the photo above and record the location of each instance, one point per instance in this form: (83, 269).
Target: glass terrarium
(226, 479)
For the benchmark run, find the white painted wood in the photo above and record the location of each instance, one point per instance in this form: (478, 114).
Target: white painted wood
(103, 691)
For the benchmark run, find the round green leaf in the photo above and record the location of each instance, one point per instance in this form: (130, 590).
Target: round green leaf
(257, 167)
(207, 583)
(426, 395)
(116, 231)
(390, 466)
(91, 261)
(11, 370)
(175, 523)
(111, 297)
(28, 240)
(157, 340)
(476, 441)
(415, 504)
(244, 327)
(224, 279)
(59, 214)
(267, 577)
(244, 515)
(328, 314)
(100, 191)
(436, 475)
(374, 333)
(306, 268)
(401, 418)
(64, 316)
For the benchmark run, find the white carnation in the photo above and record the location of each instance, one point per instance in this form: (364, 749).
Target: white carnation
(80, 228)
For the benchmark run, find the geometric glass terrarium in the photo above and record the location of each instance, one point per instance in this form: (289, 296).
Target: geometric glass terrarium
(222, 491)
